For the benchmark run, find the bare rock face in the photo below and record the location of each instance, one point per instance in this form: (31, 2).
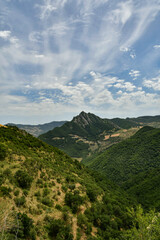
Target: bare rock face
(83, 119)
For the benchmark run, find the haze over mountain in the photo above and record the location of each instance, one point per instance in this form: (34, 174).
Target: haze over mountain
(36, 130)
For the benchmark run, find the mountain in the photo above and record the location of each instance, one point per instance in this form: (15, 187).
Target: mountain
(44, 194)
(87, 133)
(132, 164)
(36, 130)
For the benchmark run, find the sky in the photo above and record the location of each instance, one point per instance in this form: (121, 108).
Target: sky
(61, 57)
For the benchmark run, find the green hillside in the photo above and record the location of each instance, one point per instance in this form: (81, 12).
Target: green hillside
(125, 123)
(122, 161)
(44, 194)
(145, 188)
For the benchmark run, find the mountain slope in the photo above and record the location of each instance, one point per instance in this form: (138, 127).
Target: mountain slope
(79, 135)
(36, 130)
(145, 188)
(87, 134)
(139, 153)
(134, 164)
(44, 194)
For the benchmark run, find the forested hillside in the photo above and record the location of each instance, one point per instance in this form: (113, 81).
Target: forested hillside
(44, 194)
(132, 164)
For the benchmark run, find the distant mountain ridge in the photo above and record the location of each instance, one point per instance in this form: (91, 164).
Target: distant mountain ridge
(36, 130)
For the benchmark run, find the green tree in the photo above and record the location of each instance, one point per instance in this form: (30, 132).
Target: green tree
(146, 225)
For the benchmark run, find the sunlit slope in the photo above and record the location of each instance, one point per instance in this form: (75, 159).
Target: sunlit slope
(44, 194)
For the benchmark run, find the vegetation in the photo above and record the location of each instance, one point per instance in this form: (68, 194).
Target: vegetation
(134, 165)
(47, 195)
(139, 153)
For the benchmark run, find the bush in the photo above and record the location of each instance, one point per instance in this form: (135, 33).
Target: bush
(73, 200)
(7, 172)
(46, 201)
(5, 191)
(58, 207)
(2, 152)
(16, 192)
(84, 224)
(20, 201)
(23, 179)
(2, 179)
(46, 191)
(58, 230)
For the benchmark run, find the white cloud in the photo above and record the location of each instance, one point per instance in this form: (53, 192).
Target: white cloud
(134, 74)
(5, 34)
(156, 46)
(39, 56)
(153, 83)
(132, 55)
(124, 49)
(125, 85)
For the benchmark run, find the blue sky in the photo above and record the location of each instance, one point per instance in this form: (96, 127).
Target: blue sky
(59, 57)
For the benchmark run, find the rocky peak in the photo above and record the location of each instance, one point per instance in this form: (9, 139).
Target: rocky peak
(83, 119)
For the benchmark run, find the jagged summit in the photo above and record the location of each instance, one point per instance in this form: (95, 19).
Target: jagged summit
(84, 119)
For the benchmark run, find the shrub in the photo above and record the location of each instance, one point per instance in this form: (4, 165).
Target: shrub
(2, 152)
(7, 172)
(58, 207)
(5, 191)
(16, 192)
(73, 200)
(46, 191)
(72, 186)
(2, 179)
(46, 201)
(58, 230)
(23, 179)
(25, 192)
(20, 201)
